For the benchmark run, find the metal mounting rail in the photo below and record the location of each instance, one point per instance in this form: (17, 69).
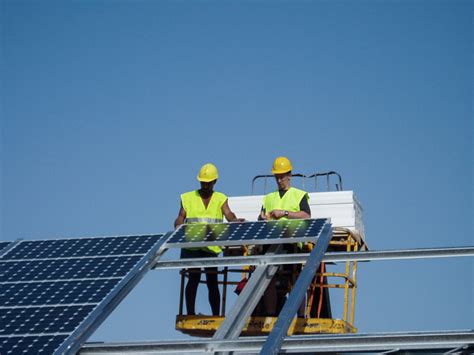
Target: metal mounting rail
(277, 335)
(329, 257)
(247, 301)
(462, 341)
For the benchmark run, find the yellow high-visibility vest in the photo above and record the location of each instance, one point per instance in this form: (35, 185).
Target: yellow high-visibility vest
(196, 212)
(289, 202)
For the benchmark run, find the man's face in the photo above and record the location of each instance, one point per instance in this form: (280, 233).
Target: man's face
(207, 187)
(283, 180)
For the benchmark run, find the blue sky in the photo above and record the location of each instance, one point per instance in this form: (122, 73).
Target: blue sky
(109, 108)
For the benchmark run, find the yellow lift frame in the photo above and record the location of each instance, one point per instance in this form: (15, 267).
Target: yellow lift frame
(343, 240)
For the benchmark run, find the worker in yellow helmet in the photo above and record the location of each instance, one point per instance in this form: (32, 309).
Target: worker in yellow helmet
(286, 203)
(204, 206)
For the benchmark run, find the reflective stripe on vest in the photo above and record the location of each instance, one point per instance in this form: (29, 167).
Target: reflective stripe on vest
(196, 212)
(203, 220)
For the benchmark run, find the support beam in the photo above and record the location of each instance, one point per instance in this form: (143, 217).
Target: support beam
(402, 254)
(422, 342)
(247, 301)
(277, 336)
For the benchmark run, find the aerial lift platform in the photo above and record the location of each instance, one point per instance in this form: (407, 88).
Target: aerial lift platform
(344, 212)
(343, 240)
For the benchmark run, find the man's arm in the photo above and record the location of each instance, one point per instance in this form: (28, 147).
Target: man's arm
(305, 211)
(229, 215)
(181, 217)
(277, 214)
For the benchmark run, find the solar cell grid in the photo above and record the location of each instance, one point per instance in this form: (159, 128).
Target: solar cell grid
(64, 269)
(49, 288)
(50, 293)
(31, 345)
(30, 320)
(68, 248)
(261, 232)
(3, 245)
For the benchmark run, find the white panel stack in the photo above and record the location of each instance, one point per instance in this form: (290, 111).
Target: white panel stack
(341, 206)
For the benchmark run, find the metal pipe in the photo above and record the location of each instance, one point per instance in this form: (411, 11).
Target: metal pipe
(353, 290)
(376, 342)
(346, 284)
(335, 257)
(265, 177)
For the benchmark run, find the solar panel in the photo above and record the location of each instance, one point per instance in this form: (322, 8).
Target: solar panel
(45, 344)
(54, 293)
(67, 248)
(65, 269)
(3, 246)
(242, 233)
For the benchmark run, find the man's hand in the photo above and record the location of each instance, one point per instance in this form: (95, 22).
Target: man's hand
(238, 220)
(277, 214)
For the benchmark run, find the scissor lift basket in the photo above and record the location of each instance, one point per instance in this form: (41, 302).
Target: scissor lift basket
(343, 240)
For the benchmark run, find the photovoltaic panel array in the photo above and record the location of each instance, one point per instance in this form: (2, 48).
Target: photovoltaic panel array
(245, 233)
(54, 293)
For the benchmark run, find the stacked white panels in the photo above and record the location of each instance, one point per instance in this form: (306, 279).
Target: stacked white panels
(342, 207)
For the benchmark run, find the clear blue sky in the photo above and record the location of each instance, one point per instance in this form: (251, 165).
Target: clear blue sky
(109, 108)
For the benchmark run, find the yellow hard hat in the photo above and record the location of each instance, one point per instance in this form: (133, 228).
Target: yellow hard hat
(281, 165)
(208, 173)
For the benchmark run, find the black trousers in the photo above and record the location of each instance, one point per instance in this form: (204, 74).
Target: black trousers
(195, 278)
(274, 296)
